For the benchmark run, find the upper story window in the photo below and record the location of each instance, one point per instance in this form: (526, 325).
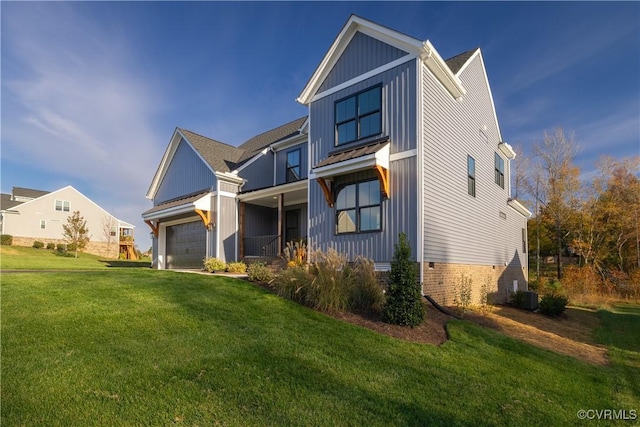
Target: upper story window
(359, 208)
(293, 165)
(499, 170)
(359, 116)
(471, 176)
(62, 205)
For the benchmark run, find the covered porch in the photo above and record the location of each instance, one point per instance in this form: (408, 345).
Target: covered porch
(271, 217)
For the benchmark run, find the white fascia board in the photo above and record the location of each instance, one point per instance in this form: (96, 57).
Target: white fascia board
(382, 156)
(164, 164)
(253, 159)
(204, 202)
(519, 207)
(289, 142)
(273, 191)
(365, 76)
(478, 54)
(229, 177)
(507, 150)
(347, 166)
(441, 70)
(174, 210)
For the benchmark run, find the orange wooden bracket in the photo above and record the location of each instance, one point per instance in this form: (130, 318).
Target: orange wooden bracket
(154, 227)
(206, 218)
(383, 176)
(328, 192)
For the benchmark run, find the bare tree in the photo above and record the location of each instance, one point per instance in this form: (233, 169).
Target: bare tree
(109, 230)
(558, 184)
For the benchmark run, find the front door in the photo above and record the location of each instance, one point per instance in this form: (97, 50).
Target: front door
(292, 225)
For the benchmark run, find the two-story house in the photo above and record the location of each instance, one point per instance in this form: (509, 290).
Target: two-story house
(30, 215)
(396, 140)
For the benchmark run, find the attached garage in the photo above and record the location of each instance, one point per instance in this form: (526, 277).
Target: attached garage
(186, 245)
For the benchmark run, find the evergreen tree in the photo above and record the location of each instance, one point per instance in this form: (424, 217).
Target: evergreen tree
(403, 305)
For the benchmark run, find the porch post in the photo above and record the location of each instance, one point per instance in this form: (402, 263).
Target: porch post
(280, 220)
(241, 232)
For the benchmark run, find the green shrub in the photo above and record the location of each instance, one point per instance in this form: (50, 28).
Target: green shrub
(71, 247)
(259, 272)
(462, 298)
(404, 303)
(237, 267)
(365, 293)
(61, 247)
(212, 264)
(6, 239)
(51, 245)
(38, 245)
(553, 304)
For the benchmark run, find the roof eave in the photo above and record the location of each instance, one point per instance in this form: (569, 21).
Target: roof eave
(434, 62)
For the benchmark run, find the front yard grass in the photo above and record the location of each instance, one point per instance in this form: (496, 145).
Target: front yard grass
(145, 347)
(23, 258)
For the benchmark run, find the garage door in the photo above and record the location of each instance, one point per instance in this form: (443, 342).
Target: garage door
(186, 245)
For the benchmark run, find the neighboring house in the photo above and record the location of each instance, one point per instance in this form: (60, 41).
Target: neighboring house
(397, 140)
(34, 215)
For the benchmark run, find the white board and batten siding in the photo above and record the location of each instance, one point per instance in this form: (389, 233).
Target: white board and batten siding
(460, 228)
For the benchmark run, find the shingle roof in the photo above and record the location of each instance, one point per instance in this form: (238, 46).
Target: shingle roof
(222, 157)
(260, 142)
(28, 192)
(189, 198)
(6, 202)
(225, 158)
(456, 62)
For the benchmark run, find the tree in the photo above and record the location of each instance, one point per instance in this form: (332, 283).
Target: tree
(109, 230)
(76, 232)
(558, 184)
(403, 305)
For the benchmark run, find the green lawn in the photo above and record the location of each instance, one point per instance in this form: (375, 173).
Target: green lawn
(22, 258)
(144, 347)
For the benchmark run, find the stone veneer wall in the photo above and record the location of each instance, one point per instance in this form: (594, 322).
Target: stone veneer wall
(102, 249)
(442, 281)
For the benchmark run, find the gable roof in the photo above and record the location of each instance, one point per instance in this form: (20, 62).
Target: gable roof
(7, 202)
(414, 47)
(259, 142)
(220, 156)
(455, 63)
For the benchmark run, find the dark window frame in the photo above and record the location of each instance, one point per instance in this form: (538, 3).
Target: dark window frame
(358, 118)
(499, 170)
(291, 175)
(358, 208)
(471, 176)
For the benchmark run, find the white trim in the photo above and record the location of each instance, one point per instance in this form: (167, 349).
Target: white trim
(253, 159)
(507, 150)
(519, 207)
(441, 70)
(403, 154)
(363, 77)
(379, 158)
(273, 191)
(228, 177)
(217, 226)
(420, 165)
(382, 266)
(478, 53)
(289, 142)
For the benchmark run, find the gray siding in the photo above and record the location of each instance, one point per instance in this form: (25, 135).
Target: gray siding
(260, 221)
(398, 215)
(459, 228)
(258, 174)
(398, 118)
(363, 54)
(186, 174)
(281, 163)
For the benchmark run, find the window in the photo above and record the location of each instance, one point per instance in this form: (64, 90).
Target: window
(499, 166)
(471, 176)
(358, 208)
(359, 116)
(293, 165)
(62, 206)
(43, 224)
(524, 240)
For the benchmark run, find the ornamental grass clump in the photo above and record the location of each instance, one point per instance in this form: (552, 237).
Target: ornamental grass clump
(237, 267)
(404, 302)
(212, 265)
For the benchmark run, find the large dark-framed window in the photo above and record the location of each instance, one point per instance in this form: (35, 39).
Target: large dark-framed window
(359, 116)
(471, 176)
(359, 207)
(499, 170)
(293, 165)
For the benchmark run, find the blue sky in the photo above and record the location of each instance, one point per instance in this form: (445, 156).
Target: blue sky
(92, 91)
